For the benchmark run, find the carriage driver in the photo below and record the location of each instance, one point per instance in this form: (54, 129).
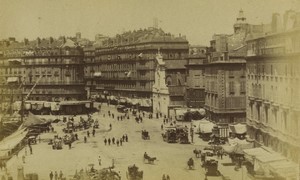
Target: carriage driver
(146, 155)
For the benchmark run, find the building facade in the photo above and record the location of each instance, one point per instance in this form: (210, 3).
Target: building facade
(195, 85)
(127, 62)
(273, 98)
(225, 75)
(47, 69)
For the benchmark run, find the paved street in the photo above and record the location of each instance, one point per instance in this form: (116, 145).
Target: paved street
(171, 158)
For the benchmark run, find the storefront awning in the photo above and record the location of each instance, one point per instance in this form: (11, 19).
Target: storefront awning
(206, 126)
(97, 74)
(64, 103)
(238, 128)
(12, 79)
(15, 60)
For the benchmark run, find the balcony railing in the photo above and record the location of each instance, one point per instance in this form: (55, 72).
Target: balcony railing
(57, 83)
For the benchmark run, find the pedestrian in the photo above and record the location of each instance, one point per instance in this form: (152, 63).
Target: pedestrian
(108, 141)
(113, 116)
(110, 126)
(118, 118)
(88, 133)
(105, 141)
(70, 145)
(118, 142)
(143, 114)
(55, 175)
(51, 175)
(126, 137)
(121, 141)
(99, 160)
(162, 127)
(30, 149)
(85, 139)
(23, 159)
(94, 132)
(221, 154)
(164, 121)
(164, 177)
(123, 138)
(218, 154)
(60, 175)
(113, 140)
(168, 177)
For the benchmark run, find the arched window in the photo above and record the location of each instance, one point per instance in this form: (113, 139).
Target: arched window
(168, 80)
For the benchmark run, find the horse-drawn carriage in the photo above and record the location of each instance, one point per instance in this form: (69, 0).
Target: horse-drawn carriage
(149, 159)
(145, 135)
(211, 167)
(69, 138)
(176, 134)
(169, 136)
(57, 143)
(134, 173)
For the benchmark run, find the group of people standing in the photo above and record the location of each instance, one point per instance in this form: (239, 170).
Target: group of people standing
(56, 176)
(113, 140)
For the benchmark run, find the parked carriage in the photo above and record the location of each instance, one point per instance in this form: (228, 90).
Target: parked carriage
(211, 167)
(134, 173)
(176, 134)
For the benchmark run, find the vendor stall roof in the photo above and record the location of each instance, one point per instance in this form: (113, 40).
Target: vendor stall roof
(256, 152)
(286, 169)
(270, 158)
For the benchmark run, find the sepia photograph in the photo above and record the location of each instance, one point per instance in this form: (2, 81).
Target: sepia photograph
(149, 90)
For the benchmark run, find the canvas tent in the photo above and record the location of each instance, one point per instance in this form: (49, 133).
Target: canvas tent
(10, 144)
(33, 120)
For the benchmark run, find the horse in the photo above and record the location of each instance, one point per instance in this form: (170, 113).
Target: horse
(197, 153)
(149, 159)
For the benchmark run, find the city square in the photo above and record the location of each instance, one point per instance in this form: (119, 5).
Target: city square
(112, 90)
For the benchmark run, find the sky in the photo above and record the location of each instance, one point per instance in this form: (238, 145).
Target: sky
(197, 19)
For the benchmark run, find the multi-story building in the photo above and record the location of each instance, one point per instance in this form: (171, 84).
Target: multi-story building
(273, 84)
(195, 86)
(126, 63)
(225, 75)
(49, 69)
(11, 72)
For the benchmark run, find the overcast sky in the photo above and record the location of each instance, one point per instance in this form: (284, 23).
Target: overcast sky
(197, 19)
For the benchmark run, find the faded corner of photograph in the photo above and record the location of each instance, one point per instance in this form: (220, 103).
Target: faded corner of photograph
(150, 90)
